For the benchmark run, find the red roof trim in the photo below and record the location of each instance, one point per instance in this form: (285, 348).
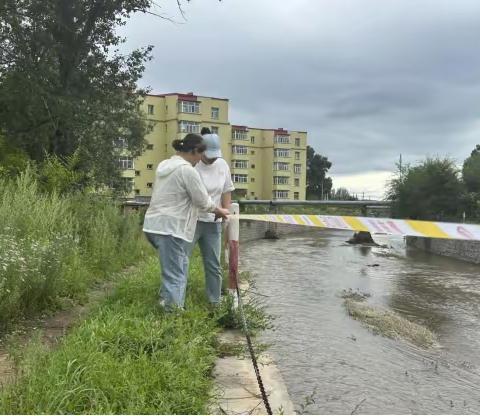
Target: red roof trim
(183, 94)
(187, 97)
(242, 128)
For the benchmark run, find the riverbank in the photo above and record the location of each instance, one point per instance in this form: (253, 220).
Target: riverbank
(127, 356)
(458, 249)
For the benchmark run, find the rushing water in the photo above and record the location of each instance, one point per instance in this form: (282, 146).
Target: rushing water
(325, 354)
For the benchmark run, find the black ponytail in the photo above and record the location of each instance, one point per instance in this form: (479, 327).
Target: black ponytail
(189, 144)
(205, 130)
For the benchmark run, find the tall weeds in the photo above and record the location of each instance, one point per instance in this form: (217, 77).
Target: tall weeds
(54, 247)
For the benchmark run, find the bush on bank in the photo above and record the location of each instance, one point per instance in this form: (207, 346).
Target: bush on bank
(54, 247)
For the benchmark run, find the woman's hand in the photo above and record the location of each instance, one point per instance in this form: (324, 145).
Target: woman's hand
(221, 213)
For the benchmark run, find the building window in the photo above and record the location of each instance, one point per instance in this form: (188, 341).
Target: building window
(215, 113)
(280, 194)
(297, 168)
(214, 129)
(297, 155)
(150, 128)
(253, 166)
(280, 166)
(149, 166)
(137, 191)
(297, 182)
(239, 135)
(125, 162)
(192, 107)
(280, 180)
(281, 153)
(137, 173)
(239, 150)
(149, 185)
(239, 178)
(185, 126)
(128, 182)
(252, 179)
(252, 139)
(240, 164)
(252, 152)
(149, 146)
(150, 109)
(296, 195)
(120, 143)
(297, 142)
(279, 139)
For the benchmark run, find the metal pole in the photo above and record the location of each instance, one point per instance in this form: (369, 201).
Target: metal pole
(233, 233)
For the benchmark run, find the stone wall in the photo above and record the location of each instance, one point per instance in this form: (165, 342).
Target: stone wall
(255, 230)
(458, 249)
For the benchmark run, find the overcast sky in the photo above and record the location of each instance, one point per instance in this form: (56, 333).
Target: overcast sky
(368, 79)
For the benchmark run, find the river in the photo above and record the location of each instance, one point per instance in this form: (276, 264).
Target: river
(325, 355)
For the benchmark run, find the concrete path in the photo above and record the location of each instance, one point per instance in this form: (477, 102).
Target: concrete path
(237, 385)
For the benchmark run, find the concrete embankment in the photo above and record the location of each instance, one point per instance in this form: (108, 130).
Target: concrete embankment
(457, 249)
(256, 230)
(238, 391)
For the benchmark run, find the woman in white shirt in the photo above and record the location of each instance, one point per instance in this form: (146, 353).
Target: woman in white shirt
(215, 174)
(170, 221)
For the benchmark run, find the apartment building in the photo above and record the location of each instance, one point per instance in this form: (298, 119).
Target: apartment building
(265, 163)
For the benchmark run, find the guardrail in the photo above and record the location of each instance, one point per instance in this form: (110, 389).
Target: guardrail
(274, 204)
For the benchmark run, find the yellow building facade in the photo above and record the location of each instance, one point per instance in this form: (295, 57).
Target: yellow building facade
(265, 163)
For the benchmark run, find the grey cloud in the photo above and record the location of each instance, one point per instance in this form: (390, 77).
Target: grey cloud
(368, 79)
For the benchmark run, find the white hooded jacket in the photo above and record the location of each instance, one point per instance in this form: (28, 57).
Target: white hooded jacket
(178, 196)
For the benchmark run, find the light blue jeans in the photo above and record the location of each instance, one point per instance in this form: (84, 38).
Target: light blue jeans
(209, 237)
(173, 256)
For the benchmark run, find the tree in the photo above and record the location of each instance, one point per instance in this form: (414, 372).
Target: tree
(342, 194)
(431, 190)
(471, 179)
(471, 171)
(318, 185)
(12, 160)
(64, 87)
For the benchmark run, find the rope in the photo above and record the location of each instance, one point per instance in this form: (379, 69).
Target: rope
(252, 353)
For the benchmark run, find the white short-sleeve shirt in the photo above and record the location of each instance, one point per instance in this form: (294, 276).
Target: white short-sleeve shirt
(217, 180)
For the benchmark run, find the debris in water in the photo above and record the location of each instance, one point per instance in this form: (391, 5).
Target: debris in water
(385, 322)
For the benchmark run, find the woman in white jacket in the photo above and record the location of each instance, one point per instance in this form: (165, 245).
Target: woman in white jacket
(170, 221)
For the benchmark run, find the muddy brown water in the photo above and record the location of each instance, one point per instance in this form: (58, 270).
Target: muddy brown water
(324, 354)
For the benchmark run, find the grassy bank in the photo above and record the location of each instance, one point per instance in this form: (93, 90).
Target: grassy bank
(52, 248)
(129, 357)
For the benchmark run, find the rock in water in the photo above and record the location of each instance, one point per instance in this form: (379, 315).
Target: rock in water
(362, 237)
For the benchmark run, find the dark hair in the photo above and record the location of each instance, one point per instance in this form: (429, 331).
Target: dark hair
(190, 143)
(205, 130)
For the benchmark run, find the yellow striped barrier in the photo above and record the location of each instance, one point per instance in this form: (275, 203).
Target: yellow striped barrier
(377, 225)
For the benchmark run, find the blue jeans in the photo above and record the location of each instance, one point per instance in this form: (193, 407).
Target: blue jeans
(209, 237)
(173, 256)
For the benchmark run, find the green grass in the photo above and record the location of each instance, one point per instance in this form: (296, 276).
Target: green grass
(129, 357)
(54, 247)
